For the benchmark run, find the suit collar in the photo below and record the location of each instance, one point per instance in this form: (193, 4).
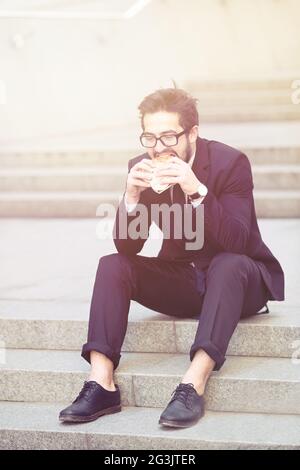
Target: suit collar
(201, 161)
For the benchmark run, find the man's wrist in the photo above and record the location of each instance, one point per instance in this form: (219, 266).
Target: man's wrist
(130, 206)
(130, 199)
(193, 189)
(199, 192)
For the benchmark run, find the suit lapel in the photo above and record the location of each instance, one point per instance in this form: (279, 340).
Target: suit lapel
(201, 162)
(200, 167)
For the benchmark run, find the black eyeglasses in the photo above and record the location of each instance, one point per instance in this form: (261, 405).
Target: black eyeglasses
(169, 140)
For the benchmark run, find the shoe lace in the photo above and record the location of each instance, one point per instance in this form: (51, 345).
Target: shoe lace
(86, 391)
(183, 393)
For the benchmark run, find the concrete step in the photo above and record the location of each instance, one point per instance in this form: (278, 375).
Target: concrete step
(233, 85)
(63, 326)
(244, 113)
(276, 204)
(239, 93)
(276, 177)
(273, 156)
(240, 97)
(35, 426)
(55, 204)
(64, 179)
(271, 385)
(116, 144)
(55, 159)
(113, 178)
(69, 204)
(265, 155)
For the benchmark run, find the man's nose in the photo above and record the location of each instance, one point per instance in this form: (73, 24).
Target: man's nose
(159, 147)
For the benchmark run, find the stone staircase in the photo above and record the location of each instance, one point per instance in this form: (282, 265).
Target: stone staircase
(252, 403)
(70, 175)
(73, 183)
(244, 101)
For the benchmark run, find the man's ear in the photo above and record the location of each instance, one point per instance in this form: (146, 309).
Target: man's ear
(193, 134)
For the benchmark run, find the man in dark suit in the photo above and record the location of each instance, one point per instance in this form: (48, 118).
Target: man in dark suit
(230, 276)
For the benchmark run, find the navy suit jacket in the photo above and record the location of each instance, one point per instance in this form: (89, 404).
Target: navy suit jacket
(230, 223)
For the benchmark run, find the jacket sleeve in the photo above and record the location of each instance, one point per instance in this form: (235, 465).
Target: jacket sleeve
(227, 218)
(131, 230)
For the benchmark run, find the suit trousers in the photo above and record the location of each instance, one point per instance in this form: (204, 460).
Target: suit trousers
(229, 289)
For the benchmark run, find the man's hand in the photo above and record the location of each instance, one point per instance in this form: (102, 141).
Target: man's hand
(138, 180)
(179, 172)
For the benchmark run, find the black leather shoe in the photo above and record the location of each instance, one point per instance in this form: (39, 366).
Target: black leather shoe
(92, 402)
(185, 408)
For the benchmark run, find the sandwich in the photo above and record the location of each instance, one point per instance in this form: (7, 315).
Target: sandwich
(160, 162)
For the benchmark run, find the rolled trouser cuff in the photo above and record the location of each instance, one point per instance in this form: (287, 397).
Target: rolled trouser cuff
(211, 350)
(104, 349)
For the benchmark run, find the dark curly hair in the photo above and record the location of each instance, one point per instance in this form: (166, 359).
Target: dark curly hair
(172, 100)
